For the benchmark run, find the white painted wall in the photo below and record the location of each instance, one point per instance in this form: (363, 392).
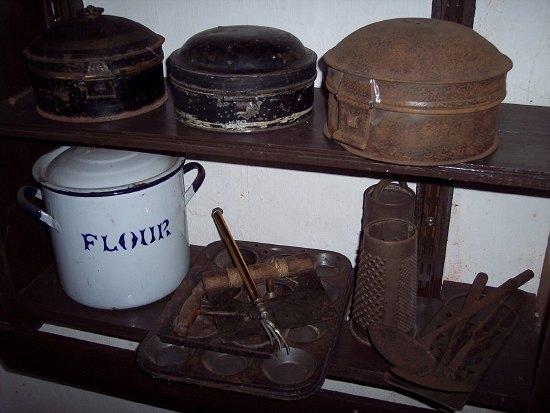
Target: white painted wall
(503, 234)
(500, 234)
(519, 28)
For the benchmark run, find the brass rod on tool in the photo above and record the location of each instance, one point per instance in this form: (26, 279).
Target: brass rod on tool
(235, 254)
(273, 332)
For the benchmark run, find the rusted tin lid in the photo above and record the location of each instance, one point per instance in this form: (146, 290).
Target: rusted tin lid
(417, 50)
(243, 59)
(93, 36)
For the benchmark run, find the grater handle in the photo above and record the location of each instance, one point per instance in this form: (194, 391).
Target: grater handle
(380, 186)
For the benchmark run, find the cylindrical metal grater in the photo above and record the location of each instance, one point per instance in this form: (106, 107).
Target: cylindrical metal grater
(385, 289)
(386, 283)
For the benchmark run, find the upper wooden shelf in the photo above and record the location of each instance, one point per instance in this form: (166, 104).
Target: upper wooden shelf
(521, 161)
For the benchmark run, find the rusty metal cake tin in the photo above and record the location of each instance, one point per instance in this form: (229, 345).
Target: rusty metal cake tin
(415, 91)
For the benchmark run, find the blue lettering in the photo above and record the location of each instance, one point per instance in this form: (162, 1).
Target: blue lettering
(135, 239)
(142, 233)
(122, 241)
(105, 246)
(157, 232)
(88, 242)
(165, 223)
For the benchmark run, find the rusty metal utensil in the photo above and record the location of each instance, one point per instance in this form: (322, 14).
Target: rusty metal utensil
(427, 362)
(388, 200)
(386, 283)
(270, 328)
(451, 387)
(480, 333)
(445, 377)
(414, 354)
(475, 292)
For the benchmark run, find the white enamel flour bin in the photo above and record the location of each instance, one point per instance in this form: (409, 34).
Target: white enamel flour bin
(117, 222)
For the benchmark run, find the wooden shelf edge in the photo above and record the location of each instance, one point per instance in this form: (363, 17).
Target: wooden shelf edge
(114, 371)
(299, 147)
(288, 158)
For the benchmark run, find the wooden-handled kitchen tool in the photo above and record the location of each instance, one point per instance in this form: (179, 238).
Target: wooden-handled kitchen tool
(270, 328)
(279, 267)
(493, 297)
(486, 335)
(440, 365)
(189, 311)
(214, 281)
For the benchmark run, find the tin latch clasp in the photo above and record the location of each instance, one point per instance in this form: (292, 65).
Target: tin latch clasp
(100, 82)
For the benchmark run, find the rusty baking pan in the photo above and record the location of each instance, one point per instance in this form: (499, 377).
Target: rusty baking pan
(248, 363)
(226, 320)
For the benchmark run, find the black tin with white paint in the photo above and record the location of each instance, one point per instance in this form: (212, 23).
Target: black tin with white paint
(242, 79)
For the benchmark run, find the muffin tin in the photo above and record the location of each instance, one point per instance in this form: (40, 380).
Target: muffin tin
(249, 364)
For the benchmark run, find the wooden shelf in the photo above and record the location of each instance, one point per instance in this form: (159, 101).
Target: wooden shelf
(115, 372)
(507, 385)
(522, 159)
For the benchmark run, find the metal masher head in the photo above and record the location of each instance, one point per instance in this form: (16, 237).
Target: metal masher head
(274, 334)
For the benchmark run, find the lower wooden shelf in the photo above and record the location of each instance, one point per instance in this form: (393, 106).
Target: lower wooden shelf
(115, 372)
(507, 385)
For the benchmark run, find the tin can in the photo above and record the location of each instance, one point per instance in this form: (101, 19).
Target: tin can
(242, 79)
(96, 67)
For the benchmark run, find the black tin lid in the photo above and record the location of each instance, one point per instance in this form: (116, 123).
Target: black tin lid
(92, 36)
(242, 59)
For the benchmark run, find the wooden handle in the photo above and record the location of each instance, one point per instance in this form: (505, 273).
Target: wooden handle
(189, 311)
(214, 281)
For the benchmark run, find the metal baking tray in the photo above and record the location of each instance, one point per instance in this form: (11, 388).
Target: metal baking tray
(285, 376)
